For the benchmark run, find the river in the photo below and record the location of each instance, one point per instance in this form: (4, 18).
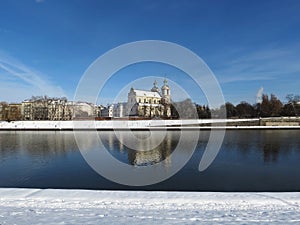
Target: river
(249, 160)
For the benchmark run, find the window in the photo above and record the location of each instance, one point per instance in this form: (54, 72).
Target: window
(154, 101)
(150, 101)
(140, 100)
(144, 100)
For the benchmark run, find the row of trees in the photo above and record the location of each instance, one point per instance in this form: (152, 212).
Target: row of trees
(270, 106)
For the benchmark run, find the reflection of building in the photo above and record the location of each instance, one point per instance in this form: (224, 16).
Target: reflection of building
(144, 158)
(151, 103)
(161, 153)
(145, 151)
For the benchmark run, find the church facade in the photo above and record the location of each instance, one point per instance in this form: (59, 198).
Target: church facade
(153, 103)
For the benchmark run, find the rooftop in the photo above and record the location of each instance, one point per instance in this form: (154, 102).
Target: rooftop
(144, 93)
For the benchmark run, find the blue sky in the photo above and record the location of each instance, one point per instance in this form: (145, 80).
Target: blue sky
(45, 46)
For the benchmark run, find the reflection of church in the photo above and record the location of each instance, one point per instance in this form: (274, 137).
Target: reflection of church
(153, 103)
(161, 153)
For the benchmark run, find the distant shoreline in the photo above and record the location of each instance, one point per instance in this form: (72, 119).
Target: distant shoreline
(196, 124)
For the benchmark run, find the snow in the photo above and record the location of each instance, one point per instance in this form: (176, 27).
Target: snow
(143, 93)
(49, 206)
(132, 124)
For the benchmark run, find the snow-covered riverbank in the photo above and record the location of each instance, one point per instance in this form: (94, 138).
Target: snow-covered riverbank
(36, 206)
(135, 124)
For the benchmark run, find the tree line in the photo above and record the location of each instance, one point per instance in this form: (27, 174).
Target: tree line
(270, 106)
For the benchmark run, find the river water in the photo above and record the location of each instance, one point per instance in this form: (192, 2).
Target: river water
(249, 160)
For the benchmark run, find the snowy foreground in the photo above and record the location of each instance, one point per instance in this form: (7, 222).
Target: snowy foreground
(36, 206)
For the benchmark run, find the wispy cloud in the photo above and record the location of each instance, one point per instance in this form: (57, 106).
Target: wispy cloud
(39, 1)
(23, 80)
(258, 65)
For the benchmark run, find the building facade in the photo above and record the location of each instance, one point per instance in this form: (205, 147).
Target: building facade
(27, 110)
(108, 111)
(153, 103)
(14, 112)
(83, 110)
(40, 109)
(140, 103)
(3, 111)
(119, 109)
(59, 109)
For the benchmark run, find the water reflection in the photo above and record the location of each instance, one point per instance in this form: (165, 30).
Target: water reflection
(138, 156)
(272, 145)
(37, 144)
(249, 160)
(278, 145)
(161, 153)
(270, 153)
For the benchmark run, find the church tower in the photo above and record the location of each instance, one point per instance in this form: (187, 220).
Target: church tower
(166, 98)
(165, 91)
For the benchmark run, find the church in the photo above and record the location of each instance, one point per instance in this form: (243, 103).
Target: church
(153, 103)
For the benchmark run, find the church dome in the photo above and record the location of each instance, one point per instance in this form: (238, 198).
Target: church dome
(155, 88)
(165, 86)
